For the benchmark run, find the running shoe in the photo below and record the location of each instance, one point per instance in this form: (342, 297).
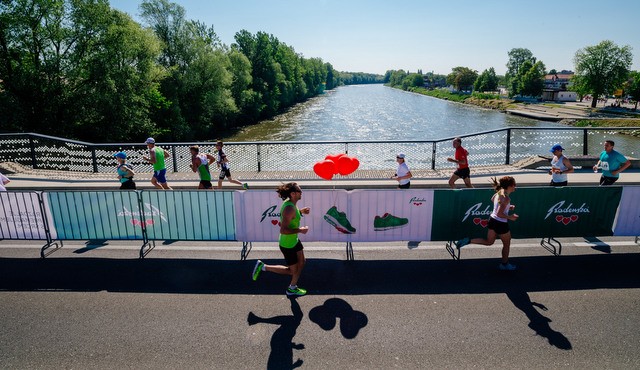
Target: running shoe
(245, 186)
(462, 242)
(257, 270)
(506, 267)
(388, 222)
(296, 291)
(339, 221)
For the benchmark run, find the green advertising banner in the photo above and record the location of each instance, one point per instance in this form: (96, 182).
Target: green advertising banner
(565, 212)
(543, 212)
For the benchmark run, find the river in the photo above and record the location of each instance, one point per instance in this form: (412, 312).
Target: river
(377, 112)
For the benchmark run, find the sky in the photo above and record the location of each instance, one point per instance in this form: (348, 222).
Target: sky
(374, 36)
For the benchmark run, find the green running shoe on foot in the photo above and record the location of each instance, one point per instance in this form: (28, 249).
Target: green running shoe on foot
(388, 222)
(339, 221)
(245, 186)
(296, 291)
(257, 270)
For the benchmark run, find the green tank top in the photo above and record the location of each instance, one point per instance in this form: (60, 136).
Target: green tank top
(159, 165)
(203, 169)
(290, 240)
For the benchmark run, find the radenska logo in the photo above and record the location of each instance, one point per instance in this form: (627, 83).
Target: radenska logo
(559, 208)
(474, 211)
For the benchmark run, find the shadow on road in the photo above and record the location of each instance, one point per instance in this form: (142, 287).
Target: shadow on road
(282, 345)
(322, 276)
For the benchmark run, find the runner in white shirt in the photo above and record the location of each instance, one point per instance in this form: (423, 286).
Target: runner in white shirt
(402, 173)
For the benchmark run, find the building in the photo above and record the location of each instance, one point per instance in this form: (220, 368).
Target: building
(556, 87)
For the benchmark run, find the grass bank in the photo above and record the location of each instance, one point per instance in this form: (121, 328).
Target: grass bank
(488, 101)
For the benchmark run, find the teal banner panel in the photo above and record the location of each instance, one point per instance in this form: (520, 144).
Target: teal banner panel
(189, 215)
(86, 215)
(543, 212)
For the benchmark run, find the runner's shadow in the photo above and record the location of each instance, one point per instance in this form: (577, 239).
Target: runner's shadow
(282, 345)
(603, 247)
(91, 245)
(351, 321)
(538, 322)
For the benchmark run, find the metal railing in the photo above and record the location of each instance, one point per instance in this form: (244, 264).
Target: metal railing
(494, 147)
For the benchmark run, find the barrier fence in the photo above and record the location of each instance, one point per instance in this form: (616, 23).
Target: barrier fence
(495, 147)
(337, 215)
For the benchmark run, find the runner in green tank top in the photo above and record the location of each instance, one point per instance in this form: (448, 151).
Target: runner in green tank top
(290, 245)
(200, 164)
(156, 157)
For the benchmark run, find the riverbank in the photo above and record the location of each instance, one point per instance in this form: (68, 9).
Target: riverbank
(570, 113)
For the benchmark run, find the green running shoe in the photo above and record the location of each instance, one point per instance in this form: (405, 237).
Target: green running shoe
(245, 186)
(339, 221)
(257, 270)
(296, 291)
(388, 222)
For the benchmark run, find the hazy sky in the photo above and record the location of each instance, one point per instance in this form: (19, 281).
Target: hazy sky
(374, 35)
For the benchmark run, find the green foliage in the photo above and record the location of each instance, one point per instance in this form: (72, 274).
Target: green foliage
(487, 81)
(462, 78)
(632, 86)
(602, 68)
(484, 96)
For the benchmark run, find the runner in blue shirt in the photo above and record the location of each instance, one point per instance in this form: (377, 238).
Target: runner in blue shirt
(612, 163)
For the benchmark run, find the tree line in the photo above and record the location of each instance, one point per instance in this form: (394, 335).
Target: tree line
(600, 71)
(80, 69)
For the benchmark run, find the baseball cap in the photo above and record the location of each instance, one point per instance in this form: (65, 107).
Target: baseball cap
(150, 140)
(400, 155)
(556, 147)
(122, 155)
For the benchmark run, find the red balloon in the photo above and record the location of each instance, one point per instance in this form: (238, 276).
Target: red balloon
(346, 165)
(325, 169)
(334, 158)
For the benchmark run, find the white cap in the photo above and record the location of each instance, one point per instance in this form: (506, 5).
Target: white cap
(400, 155)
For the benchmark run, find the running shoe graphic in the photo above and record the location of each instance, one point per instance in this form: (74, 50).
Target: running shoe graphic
(388, 222)
(339, 220)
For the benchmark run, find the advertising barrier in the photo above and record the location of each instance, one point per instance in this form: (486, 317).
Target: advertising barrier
(21, 216)
(628, 218)
(188, 215)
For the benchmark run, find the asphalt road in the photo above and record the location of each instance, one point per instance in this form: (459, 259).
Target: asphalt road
(187, 305)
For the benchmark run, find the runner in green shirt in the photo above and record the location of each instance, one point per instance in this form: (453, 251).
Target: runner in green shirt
(156, 157)
(200, 164)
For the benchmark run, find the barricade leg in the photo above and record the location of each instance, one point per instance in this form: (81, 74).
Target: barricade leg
(246, 249)
(552, 245)
(147, 246)
(453, 250)
(350, 256)
(44, 252)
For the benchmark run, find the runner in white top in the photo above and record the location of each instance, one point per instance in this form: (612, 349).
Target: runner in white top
(402, 173)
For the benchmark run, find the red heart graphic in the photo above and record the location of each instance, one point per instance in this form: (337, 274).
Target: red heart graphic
(574, 218)
(484, 223)
(566, 220)
(149, 222)
(477, 220)
(274, 222)
(559, 218)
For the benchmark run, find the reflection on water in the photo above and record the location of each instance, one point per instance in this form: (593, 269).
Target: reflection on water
(376, 112)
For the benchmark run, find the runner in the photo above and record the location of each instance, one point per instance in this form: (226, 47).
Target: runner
(156, 157)
(290, 245)
(463, 171)
(498, 221)
(125, 172)
(223, 164)
(200, 164)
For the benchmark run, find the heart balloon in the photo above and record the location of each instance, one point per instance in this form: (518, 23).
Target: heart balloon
(334, 158)
(325, 169)
(346, 165)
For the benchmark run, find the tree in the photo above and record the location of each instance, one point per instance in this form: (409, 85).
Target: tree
(462, 78)
(487, 81)
(531, 81)
(603, 67)
(517, 57)
(633, 86)
(579, 86)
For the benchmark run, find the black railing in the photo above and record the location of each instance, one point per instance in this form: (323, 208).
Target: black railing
(494, 147)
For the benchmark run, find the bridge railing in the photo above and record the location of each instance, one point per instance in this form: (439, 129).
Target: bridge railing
(494, 147)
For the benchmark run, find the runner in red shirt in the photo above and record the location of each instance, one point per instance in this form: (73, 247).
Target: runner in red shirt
(463, 171)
